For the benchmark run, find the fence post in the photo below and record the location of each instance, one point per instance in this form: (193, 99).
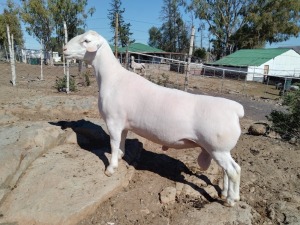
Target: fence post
(64, 61)
(186, 80)
(67, 69)
(42, 75)
(223, 76)
(12, 56)
(126, 58)
(244, 86)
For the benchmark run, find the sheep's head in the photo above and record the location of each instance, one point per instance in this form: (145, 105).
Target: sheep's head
(84, 46)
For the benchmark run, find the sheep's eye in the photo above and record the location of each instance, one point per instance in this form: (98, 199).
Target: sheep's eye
(86, 41)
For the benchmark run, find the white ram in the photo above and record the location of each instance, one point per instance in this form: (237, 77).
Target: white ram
(169, 117)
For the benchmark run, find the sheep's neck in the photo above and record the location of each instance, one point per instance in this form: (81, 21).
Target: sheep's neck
(105, 65)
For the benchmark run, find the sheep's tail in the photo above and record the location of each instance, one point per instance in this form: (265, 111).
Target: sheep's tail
(240, 110)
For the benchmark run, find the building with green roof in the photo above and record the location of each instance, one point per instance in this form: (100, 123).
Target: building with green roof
(142, 53)
(146, 54)
(140, 48)
(257, 63)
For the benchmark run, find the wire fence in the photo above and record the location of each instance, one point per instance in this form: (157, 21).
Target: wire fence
(169, 72)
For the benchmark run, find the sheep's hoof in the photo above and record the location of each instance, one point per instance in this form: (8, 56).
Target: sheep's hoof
(120, 156)
(230, 202)
(223, 197)
(108, 172)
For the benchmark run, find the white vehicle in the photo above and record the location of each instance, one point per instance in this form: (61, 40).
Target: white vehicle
(56, 57)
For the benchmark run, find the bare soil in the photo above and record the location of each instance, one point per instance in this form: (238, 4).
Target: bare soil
(270, 181)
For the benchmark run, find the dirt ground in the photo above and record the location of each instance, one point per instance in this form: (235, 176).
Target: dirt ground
(270, 181)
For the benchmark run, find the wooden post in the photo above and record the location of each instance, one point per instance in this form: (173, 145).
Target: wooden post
(223, 77)
(186, 81)
(127, 58)
(42, 57)
(12, 56)
(6, 53)
(67, 68)
(116, 34)
(13, 60)
(64, 61)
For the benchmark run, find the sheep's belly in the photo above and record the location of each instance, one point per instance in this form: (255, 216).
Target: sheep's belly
(167, 141)
(182, 144)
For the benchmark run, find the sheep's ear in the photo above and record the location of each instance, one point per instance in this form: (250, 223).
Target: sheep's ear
(92, 47)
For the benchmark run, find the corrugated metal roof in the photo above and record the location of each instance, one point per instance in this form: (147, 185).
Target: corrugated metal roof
(250, 57)
(142, 48)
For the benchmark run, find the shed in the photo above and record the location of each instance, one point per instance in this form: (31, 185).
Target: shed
(258, 63)
(141, 48)
(137, 49)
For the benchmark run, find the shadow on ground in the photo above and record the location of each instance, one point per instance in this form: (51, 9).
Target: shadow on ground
(93, 138)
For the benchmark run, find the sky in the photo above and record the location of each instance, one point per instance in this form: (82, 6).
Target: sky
(142, 15)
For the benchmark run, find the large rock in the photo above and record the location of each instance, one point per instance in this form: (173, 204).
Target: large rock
(258, 129)
(62, 187)
(168, 195)
(202, 184)
(44, 181)
(283, 212)
(20, 145)
(217, 214)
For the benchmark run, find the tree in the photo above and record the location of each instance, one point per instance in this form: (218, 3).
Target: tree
(10, 17)
(73, 12)
(155, 37)
(223, 19)
(237, 24)
(269, 21)
(200, 53)
(45, 19)
(124, 34)
(40, 20)
(173, 35)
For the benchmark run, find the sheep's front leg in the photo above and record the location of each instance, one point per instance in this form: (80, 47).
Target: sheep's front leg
(122, 148)
(115, 144)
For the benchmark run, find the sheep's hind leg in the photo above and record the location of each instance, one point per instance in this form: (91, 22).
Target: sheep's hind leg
(231, 177)
(225, 185)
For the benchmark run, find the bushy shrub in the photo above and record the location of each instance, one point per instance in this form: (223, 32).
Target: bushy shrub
(163, 80)
(61, 84)
(287, 124)
(86, 76)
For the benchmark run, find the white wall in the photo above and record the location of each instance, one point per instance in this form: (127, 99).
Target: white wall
(286, 64)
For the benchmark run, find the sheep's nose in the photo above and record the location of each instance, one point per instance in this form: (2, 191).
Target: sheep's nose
(64, 49)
